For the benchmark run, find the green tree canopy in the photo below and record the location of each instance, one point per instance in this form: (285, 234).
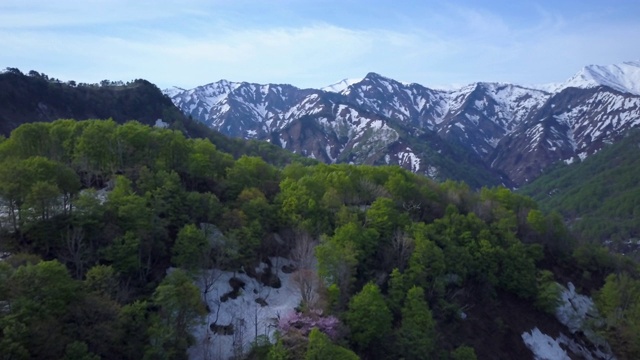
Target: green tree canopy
(321, 348)
(191, 250)
(417, 335)
(368, 318)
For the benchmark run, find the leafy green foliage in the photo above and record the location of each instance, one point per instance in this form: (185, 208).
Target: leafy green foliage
(191, 250)
(251, 172)
(337, 265)
(278, 351)
(396, 292)
(427, 265)
(385, 217)
(417, 334)
(549, 291)
(44, 288)
(40, 294)
(32, 187)
(180, 309)
(463, 353)
(368, 317)
(599, 195)
(619, 303)
(79, 351)
(320, 348)
(518, 273)
(101, 279)
(421, 252)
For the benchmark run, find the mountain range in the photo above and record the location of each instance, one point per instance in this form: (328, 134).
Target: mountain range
(484, 133)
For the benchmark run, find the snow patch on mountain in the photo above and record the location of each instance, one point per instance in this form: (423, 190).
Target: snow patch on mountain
(409, 158)
(543, 346)
(574, 308)
(573, 311)
(173, 91)
(515, 102)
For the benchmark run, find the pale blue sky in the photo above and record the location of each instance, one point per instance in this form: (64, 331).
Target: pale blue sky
(315, 43)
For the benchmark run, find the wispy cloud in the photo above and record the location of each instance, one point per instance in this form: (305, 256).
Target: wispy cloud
(38, 14)
(194, 42)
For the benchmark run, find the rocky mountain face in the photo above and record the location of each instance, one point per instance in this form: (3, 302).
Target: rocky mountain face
(484, 133)
(571, 125)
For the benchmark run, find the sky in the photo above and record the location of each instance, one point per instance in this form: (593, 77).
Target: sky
(314, 43)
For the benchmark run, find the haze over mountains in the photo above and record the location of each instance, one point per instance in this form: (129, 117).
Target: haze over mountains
(500, 133)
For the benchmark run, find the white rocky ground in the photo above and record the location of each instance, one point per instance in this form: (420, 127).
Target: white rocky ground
(577, 312)
(249, 318)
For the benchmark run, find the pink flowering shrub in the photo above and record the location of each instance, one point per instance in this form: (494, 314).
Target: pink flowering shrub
(303, 323)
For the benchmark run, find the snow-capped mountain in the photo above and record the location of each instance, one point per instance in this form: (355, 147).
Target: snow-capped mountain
(624, 77)
(488, 129)
(571, 125)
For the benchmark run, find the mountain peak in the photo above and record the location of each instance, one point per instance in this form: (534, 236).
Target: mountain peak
(373, 75)
(377, 77)
(340, 85)
(623, 77)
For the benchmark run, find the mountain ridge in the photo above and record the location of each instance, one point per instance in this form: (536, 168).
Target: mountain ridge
(593, 75)
(379, 120)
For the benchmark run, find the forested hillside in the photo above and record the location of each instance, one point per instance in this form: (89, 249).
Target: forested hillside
(600, 197)
(106, 227)
(37, 97)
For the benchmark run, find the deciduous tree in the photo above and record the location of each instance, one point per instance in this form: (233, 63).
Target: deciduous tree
(321, 348)
(417, 334)
(368, 318)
